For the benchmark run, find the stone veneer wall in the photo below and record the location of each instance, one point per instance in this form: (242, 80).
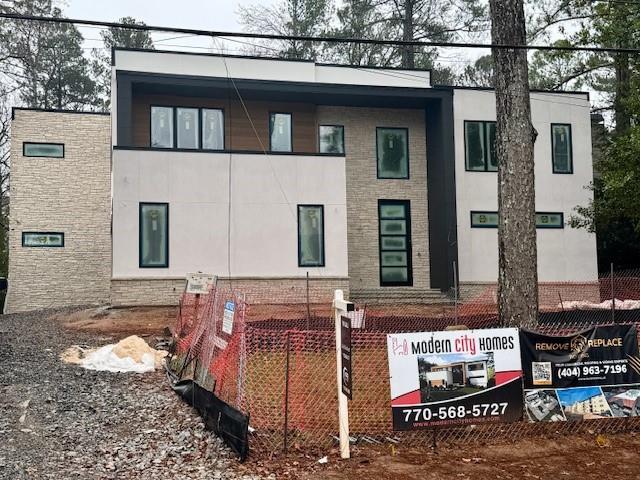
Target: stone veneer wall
(162, 291)
(70, 195)
(364, 190)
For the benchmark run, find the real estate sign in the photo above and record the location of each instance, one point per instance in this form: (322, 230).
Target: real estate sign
(455, 377)
(594, 373)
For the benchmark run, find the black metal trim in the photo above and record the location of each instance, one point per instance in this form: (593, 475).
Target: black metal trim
(553, 163)
(322, 264)
(344, 146)
(378, 155)
(485, 153)
(24, 234)
(271, 113)
(407, 235)
(24, 149)
(166, 232)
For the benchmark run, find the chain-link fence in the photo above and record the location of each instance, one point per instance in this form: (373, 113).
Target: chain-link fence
(279, 364)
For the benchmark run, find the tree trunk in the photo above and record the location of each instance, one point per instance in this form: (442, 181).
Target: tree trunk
(408, 52)
(515, 135)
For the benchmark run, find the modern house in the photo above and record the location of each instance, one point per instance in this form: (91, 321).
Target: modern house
(273, 173)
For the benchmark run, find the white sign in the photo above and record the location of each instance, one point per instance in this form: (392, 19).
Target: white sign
(199, 283)
(227, 319)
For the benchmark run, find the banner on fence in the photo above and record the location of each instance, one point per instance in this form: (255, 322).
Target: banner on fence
(454, 377)
(590, 374)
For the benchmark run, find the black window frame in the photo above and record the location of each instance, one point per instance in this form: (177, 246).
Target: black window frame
(174, 132)
(494, 212)
(271, 150)
(487, 151)
(553, 152)
(344, 147)
(324, 255)
(24, 234)
(406, 129)
(58, 144)
(407, 236)
(166, 264)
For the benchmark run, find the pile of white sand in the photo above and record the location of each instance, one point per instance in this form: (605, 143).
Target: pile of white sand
(131, 354)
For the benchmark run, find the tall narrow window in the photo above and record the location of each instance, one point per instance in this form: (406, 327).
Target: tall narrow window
(331, 139)
(280, 132)
(212, 129)
(561, 148)
(154, 235)
(395, 243)
(480, 146)
(392, 152)
(162, 127)
(310, 236)
(188, 128)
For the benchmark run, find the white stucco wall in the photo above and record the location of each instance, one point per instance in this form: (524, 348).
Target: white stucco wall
(265, 192)
(563, 254)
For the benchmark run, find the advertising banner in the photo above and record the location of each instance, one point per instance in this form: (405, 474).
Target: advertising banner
(594, 373)
(455, 377)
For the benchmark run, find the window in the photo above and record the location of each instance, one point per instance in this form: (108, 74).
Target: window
(36, 149)
(310, 236)
(543, 219)
(331, 138)
(395, 243)
(561, 149)
(480, 146)
(154, 235)
(42, 239)
(162, 127)
(392, 152)
(280, 132)
(212, 129)
(188, 130)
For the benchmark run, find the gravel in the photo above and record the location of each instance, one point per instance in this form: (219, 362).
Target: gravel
(61, 421)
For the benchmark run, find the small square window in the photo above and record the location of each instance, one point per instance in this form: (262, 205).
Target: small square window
(484, 219)
(42, 239)
(331, 139)
(480, 146)
(162, 127)
(154, 235)
(561, 148)
(188, 128)
(310, 236)
(212, 129)
(49, 150)
(549, 220)
(392, 152)
(280, 132)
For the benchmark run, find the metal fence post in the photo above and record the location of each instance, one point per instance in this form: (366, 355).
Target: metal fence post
(613, 298)
(286, 396)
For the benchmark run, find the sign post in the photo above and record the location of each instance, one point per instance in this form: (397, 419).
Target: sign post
(340, 309)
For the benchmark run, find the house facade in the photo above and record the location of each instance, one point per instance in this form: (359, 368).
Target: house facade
(280, 177)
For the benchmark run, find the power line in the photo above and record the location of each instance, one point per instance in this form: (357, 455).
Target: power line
(319, 39)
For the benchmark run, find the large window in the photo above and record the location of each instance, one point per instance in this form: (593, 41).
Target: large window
(310, 236)
(37, 149)
(543, 220)
(480, 146)
(331, 139)
(392, 152)
(280, 132)
(395, 243)
(212, 129)
(162, 127)
(188, 130)
(561, 148)
(42, 239)
(154, 235)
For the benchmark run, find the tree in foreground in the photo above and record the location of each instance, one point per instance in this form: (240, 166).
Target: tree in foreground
(515, 136)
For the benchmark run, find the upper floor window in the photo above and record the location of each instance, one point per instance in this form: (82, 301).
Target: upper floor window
(480, 146)
(162, 127)
(392, 148)
(561, 148)
(280, 132)
(37, 149)
(212, 129)
(42, 239)
(310, 236)
(331, 139)
(188, 130)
